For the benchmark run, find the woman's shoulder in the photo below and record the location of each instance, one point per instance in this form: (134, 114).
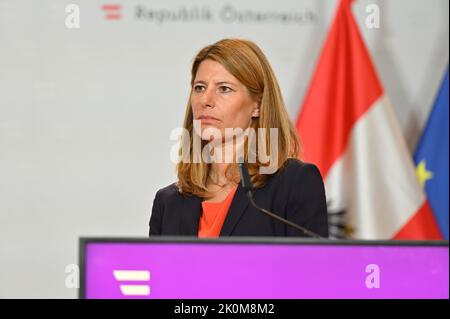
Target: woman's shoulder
(169, 192)
(297, 172)
(293, 167)
(298, 178)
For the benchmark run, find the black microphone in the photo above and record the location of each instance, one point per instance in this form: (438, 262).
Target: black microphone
(246, 184)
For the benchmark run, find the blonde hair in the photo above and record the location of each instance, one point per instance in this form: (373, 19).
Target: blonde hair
(246, 62)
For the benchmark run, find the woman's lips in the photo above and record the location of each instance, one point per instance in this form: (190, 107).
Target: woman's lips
(207, 119)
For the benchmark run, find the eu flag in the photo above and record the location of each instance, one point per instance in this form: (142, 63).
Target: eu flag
(432, 158)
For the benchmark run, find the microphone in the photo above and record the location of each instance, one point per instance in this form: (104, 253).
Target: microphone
(246, 184)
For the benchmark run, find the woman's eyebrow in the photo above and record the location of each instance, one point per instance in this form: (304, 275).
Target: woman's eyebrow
(225, 82)
(216, 83)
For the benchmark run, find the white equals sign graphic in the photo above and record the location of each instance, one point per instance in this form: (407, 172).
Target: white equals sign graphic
(133, 275)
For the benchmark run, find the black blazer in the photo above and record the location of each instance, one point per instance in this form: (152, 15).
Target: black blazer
(295, 192)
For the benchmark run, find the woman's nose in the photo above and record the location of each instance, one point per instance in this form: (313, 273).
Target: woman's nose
(207, 98)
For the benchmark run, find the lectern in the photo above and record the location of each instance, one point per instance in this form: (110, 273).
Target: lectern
(262, 268)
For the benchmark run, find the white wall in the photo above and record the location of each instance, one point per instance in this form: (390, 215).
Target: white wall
(85, 115)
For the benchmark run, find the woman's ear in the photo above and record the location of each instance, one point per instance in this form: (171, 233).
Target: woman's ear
(256, 109)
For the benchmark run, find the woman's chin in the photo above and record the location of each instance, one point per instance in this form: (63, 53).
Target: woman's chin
(209, 131)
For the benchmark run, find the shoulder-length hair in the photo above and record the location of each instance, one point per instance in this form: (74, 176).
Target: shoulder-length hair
(246, 62)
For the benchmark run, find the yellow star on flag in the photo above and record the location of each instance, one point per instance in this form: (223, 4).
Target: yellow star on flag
(422, 174)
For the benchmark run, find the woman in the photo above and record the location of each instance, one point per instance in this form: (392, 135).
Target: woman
(235, 89)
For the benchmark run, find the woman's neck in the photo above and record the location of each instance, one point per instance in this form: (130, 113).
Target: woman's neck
(228, 149)
(218, 173)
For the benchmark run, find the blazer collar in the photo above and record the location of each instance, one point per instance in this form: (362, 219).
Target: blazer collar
(237, 208)
(192, 210)
(190, 215)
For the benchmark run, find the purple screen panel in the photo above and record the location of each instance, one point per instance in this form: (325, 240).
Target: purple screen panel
(261, 271)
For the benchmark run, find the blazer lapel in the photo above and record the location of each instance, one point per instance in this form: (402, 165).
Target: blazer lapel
(190, 215)
(237, 208)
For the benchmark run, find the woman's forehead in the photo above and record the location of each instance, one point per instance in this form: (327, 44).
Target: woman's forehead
(210, 70)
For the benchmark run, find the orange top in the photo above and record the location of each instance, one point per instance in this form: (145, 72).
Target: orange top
(213, 216)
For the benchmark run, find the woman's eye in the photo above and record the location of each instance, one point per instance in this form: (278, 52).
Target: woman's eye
(224, 89)
(199, 88)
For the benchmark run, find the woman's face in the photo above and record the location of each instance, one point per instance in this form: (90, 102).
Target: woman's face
(219, 100)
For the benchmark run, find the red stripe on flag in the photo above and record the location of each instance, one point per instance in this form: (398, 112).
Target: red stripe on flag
(422, 225)
(344, 86)
(111, 7)
(112, 16)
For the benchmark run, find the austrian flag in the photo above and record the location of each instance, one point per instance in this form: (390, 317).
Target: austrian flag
(349, 130)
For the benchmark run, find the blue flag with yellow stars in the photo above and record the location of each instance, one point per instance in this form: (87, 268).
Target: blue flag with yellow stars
(432, 158)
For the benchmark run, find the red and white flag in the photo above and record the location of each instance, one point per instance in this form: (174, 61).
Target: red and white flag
(349, 130)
